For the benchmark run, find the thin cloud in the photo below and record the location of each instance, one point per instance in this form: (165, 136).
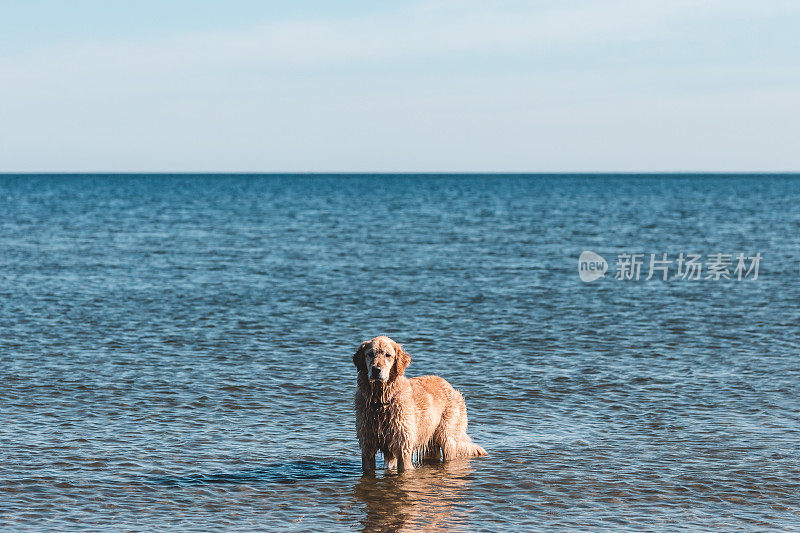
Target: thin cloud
(567, 85)
(422, 31)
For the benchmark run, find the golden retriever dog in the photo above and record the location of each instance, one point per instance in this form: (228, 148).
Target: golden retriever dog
(400, 416)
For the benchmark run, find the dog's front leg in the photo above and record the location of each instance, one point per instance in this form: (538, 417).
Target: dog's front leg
(367, 438)
(367, 460)
(404, 463)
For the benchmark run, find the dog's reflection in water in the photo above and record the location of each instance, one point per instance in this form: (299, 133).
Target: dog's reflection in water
(429, 498)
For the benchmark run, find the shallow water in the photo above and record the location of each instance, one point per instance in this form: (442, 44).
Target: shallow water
(176, 351)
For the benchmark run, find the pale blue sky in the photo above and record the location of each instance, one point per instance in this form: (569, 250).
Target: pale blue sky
(449, 85)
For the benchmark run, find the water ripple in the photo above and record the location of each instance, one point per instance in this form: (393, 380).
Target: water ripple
(175, 352)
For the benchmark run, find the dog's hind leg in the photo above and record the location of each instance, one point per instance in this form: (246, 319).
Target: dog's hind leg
(391, 461)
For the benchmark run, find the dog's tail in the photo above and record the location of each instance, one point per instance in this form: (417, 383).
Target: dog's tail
(462, 446)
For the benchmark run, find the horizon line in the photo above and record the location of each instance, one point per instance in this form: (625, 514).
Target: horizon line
(405, 173)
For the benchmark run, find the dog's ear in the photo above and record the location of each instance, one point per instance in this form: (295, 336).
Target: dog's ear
(358, 357)
(401, 360)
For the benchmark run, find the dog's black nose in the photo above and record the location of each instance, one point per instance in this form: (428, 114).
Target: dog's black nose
(374, 373)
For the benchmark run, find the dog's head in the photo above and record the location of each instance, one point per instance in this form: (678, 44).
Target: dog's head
(381, 359)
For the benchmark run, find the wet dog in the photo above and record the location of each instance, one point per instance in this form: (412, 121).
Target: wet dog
(401, 417)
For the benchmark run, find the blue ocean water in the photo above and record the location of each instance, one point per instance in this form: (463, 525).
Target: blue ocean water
(175, 351)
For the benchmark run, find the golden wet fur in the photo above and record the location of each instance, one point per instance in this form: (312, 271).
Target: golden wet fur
(401, 416)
